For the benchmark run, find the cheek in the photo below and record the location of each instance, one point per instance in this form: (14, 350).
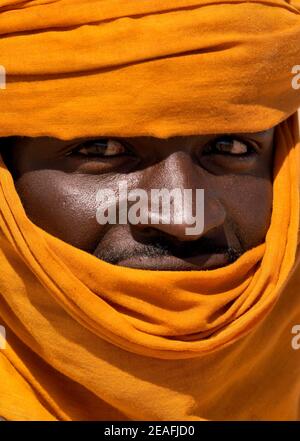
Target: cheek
(248, 202)
(63, 205)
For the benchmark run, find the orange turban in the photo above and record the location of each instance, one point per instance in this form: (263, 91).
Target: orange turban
(79, 68)
(90, 340)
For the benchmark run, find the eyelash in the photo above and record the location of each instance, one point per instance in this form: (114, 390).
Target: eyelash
(209, 149)
(76, 151)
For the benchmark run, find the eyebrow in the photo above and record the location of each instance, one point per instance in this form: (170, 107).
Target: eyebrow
(262, 134)
(64, 144)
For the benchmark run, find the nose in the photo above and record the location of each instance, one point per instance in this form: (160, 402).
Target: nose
(179, 171)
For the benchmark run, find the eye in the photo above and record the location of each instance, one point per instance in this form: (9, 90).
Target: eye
(100, 148)
(229, 146)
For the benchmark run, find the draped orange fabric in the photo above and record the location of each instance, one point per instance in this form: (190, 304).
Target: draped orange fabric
(90, 340)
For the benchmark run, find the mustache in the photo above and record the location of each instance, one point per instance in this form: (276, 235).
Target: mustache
(161, 246)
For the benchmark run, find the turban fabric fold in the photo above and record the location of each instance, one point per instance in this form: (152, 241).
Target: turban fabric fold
(90, 340)
(76, 68)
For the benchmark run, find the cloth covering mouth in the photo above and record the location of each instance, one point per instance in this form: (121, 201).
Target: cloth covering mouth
(80, 330)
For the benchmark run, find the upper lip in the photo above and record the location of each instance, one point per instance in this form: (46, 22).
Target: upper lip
(163, 252)
(173, 263)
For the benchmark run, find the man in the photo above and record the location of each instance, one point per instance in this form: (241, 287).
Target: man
(141, 320)
(58, 180)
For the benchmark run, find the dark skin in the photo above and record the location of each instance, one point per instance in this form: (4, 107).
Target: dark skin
(57, 182)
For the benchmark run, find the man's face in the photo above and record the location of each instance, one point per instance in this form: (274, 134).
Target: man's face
(58, 181)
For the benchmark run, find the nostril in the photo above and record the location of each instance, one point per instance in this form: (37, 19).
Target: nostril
(144, 230)
(149, 230)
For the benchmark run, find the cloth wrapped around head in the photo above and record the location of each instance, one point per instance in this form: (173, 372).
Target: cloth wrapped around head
(90, 340)
(78, 68)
